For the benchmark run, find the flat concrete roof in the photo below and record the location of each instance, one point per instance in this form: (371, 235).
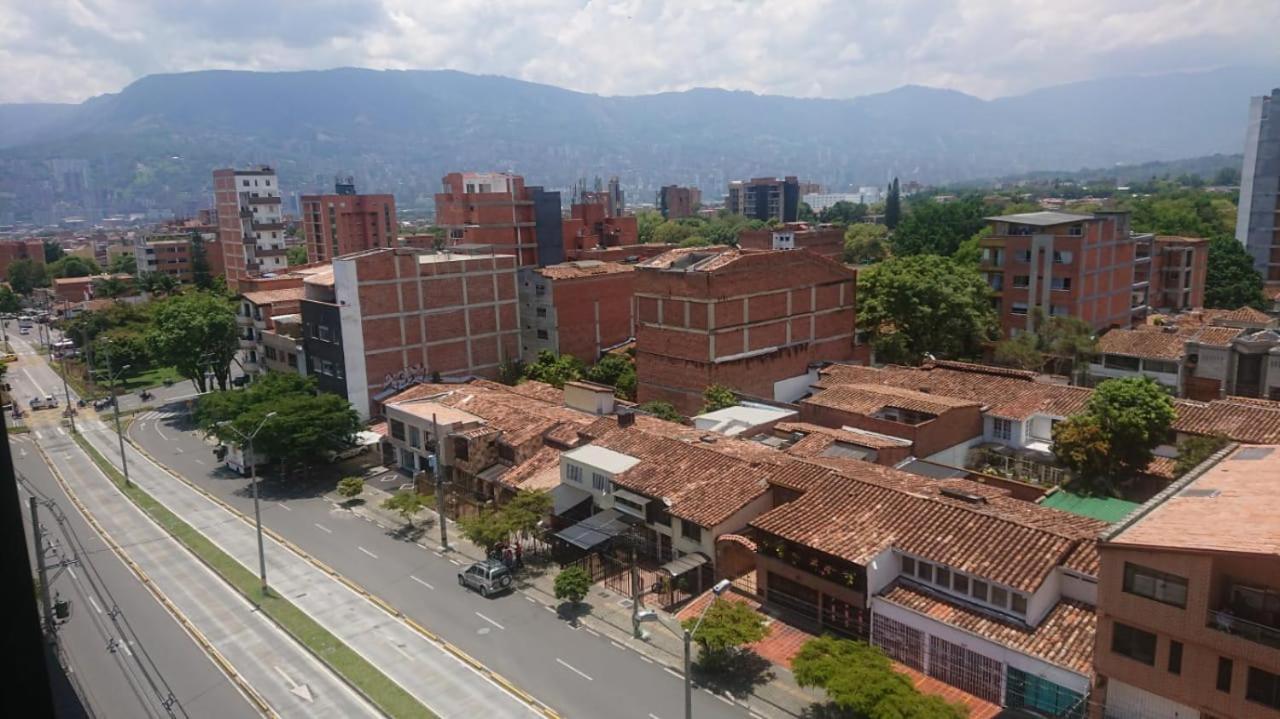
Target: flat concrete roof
(444, 414)
(1042, 219)
(602, 458)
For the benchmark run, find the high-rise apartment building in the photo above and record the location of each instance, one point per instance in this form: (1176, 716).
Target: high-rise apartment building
(766, 198)
(345, 222)
(1086, 266)
(498, 210)
(250, 222)
(1189, 597)
(1258, 217)
(675, 201)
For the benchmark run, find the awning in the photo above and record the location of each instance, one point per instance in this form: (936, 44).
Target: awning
(687, 563)
(595, 530)
(565, 497)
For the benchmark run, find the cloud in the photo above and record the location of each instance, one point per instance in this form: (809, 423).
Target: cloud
(67, 50)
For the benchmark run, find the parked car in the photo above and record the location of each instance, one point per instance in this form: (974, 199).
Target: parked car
(46, 402)
(488, 577)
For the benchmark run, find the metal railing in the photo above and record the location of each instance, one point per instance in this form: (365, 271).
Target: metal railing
(1229, 623)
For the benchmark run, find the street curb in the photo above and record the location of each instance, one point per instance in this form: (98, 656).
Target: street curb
(225, 666)
(382, 604)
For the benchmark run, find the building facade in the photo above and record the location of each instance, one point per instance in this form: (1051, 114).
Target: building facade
(591, 226)
(251, 231)
(756, 321)
(1189, 597)
(165, 254)
(675, 201)
(825, 240)
(383, 319)
(345, 222)
(580, 308)
(496, 209)
(1258, 216)
(14, 250)
(1178, 269)
(765, 198)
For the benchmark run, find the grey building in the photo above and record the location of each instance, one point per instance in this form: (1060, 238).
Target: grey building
(1258, 220)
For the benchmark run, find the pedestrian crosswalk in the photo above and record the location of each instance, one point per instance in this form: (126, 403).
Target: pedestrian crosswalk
(161, 414)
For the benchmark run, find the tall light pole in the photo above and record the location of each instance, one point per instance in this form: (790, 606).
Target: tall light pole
(247, 442)
(112, 374)
(687, 635)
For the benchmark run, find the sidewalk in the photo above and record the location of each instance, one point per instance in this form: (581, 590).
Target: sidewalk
(609, 613)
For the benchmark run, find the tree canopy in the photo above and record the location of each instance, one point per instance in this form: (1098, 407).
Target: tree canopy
(937, 228)
(865, 243)
(25, 275)
(893, 206)
(617, 371)
(53, 250)
(554, 369)
(297, 255)
(196, 332)
(717, 397)
(1231, 281)
(123, 264)
(1112, 440)
(726, 626)
(9, 300)
(662, 410)
(72, 266)
(861, 680)
(924, 304)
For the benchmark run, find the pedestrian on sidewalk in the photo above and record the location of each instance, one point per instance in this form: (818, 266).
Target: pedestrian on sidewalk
(519, 556)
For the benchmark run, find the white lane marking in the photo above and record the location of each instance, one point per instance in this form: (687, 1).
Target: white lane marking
(617, 645)
(726, 700)
(645, 659)
(591, 631)
(161, 433)
(419, 581)
(455, 562)
(400, 649)
(200, 462)
(281, 506)
(125, 646)
(654, 716)
(571, 668)
(438, 554)
(673, 672)
(323, 528)
(96, 608)
(478, 614)
(39, 391)
(371, 554)
(38, 435)
(530, 599)
(62, 431)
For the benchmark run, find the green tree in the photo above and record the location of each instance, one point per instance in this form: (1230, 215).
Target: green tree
(487, 528)
(717, 397)
(305, 428)
(865, 244)
(617, 371)
(297, 255)
(673, 232)
(937, 228)
(1194, 450)
(119, 347)
(1068, 341)
(695, 241)
(195, 332)
(525, 511)
(201, 274)
(53, 251)
(73, 266)
(806, 213)
(893, 206)
(647, 223)
(350, 487)
(158, 283)
(1231, 281)
(1020, 352)
(861, 681)
(25, 275)
(554, 370)
(9, 301)
(844, 213)
(110, 287)
(1123, 421)
(662, 410)
(726, 626)
(511, 371)
(406, 504)
(572, 585)
(924, 304)
(126, 264)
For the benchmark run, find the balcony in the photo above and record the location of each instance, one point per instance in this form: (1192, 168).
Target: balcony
(1229, 623)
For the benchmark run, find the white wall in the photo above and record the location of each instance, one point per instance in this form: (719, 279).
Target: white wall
(346, 293)
(1212, 363)
(1078, 588)
(1125, 701)
(793, 388)
(956, 455)
(882, 570)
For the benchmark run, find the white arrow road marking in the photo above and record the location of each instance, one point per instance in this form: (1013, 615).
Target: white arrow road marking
(478, 614)
(571, 668)
(301, 691)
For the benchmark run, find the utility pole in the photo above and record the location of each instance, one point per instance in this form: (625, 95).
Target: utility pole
(636, 594)
(252, 459)
(50, 624)
(439, 476)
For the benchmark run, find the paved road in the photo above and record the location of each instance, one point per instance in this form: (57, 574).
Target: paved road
(155, 658)
(289, 678)
(441, 681)
(577, 672)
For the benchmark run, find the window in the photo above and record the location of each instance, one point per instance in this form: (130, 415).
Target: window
(1018, 308)
(1263, 688)
(541, 311)
(1002, 428)
(1225, 668)
(323, 332)
(960, 584)
(1021, 281)
(573, 473)
(1062, 257)
(1175, 657)
(506, 452)
(539, 290)
(942, 577)
(246, 183)
(1159, 366)
(1060, 283)
(1134, 643)
(415, 437)
(542, 334)
(689, 530)
(924, 570)
(461, 450)
(979, 590)
(397, 429)
(1000, 597)
(599, 482)
(1024, 256)
(1018, 604)
(1154, 584)
(908, 565)
(662, 516)
(1120, 362)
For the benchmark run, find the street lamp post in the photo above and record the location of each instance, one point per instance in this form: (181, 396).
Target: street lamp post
(247, 444)
(112, 374)
(687, 635)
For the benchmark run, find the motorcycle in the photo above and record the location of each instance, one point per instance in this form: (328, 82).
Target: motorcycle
(81, 403)
(145, 396)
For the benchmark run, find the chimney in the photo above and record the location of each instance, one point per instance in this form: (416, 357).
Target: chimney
(626, 418)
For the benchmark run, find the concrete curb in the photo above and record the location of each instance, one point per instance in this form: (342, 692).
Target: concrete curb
(225, 666)
(382, 604)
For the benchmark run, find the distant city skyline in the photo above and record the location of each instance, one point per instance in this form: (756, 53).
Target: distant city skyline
(65, 51)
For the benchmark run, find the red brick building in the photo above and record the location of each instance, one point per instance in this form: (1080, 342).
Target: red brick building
(675, 202)
(1086, 266)
(620, 253)
(755, 321)
(590, 226)
(343, 223)
(497, 209)
(825, 240)
(577, 308)
(1178, 269)
(250, 223)
(383, 319)
(13, 250)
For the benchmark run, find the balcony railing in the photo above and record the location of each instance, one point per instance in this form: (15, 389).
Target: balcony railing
(1229, 623)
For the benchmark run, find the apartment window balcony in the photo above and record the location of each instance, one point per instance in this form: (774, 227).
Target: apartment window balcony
(1252, 613)
(1227, 622)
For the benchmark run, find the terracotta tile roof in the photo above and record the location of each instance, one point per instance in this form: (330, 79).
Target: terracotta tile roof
(1250, 422)
(1217, 336)
(1153, 343)
(1244, 315)
(871, 398)
(541, 471)
(267, 297)
(854, 510)
(818, 432)
(583, 268)
(1063, 638)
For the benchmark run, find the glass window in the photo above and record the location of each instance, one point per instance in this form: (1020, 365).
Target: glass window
(1002, 428)
(415, 437)
(599, 482)
(942, 577)
(1018, 604)
(1263, 688)
(1019, 308)
(924, 570)
(1175, 657)
(999, 596)
(1225, 667)
(1153, 584)
(1134, 643)
(908, 565)
(573, 473)
(689, 530)
(1120, 362)
(397, 429)
(1021, 281)
(979, 590)
(960, 584)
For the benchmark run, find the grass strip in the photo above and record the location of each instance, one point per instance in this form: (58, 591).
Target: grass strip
(389, 696)
(19, 429)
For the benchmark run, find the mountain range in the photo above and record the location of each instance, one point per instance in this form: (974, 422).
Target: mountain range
(153, 144)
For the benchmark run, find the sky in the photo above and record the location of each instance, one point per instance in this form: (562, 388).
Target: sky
(69, 50)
